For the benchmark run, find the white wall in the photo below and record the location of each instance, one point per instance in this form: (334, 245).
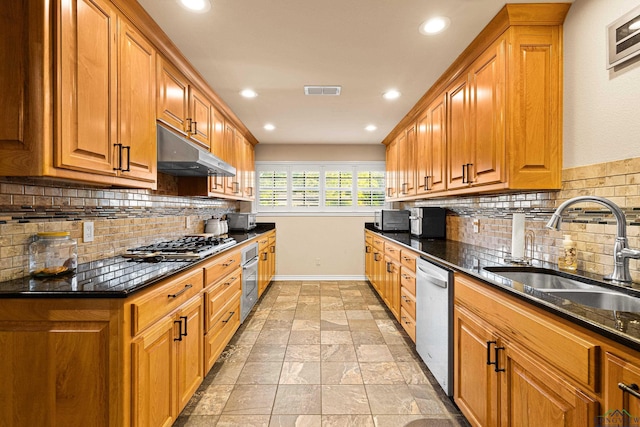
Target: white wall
(601, 115)
(334, 242)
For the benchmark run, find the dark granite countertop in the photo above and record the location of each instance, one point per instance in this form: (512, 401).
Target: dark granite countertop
(115, 277)
(622, 327)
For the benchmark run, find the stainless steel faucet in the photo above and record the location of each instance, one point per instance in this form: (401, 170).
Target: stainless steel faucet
(621, 251)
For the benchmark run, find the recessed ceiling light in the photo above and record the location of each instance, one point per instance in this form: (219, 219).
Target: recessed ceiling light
(370, 128)
(199, 6)
(391, 94)
(248, 93)
(435, 25)
(635, 26)
(269, 126)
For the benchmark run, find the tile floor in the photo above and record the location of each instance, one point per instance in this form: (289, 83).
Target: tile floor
(320, 354)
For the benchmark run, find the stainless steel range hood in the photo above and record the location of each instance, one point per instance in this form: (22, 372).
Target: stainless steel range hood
(180, 157)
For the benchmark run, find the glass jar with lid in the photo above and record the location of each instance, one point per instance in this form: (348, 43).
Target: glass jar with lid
(53, 254)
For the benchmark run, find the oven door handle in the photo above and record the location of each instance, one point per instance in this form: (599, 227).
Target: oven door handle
(250, 264)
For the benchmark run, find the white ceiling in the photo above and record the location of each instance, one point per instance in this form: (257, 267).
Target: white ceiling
(277, 46)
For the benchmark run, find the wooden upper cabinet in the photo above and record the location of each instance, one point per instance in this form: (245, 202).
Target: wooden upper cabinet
(137, 103)
(173, 96)
(407, 162)
(458, 134)
(216, 183)
(200, 118)
(86, 98)
(392, 168)
(431, 149)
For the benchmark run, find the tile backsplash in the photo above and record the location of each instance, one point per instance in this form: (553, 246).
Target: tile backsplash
(123, 218)
(591, 226)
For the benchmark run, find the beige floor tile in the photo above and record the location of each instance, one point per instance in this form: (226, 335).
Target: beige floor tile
(304, 337)
(391, 399)
(225, 372)
(344, 399)
(235, 353)
(373, 353)
(381, 373)
(302, 353)
(251, 400)
(267, 353)
(305, 325)
(340, 373)
(296, 421)
(359, 315)
(273, 337)
(243, 421)
(300, 373)
(196, 421)
(333, 315)
(298, 399)
(211, 401)
(338, 353)
(367, 337)
(281, 315)
(335, 337)
(347, 420)
(363, 325)
(260, 373)
(412, 373)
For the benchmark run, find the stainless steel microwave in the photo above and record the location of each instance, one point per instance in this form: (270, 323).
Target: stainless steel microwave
(392, 220)
(241, 221)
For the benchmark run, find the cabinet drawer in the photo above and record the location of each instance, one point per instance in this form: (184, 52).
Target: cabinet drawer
(368, 238)
(408, 259)
(408, 323)
(408, 280)
(392, 250)
(220, 267)
(272, 239)
(219, 335)
(378, 243)
(408, 302)
(219, 296)
(568, 350)
(263, 243)
(163, 299)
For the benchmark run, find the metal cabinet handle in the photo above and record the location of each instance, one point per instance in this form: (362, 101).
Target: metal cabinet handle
(375, 256)
(179, 322)
(190, 121)
(185, 325)
(182, 291)
(426, 182)
(229, 318)
(264, 256)
(489, 362)
(389, 270)
(496, 352)
(228, 263)
(405, 186)
(119, 167)
(250, 191)
(367, 249)
(128, 168)
(632, 389)
(235, 187)
(272, 249)
(195, 127)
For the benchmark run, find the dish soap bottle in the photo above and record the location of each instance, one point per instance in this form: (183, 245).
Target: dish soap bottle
(568, 259)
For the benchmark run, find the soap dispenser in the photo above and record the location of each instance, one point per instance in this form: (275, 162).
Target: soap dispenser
(568, 257)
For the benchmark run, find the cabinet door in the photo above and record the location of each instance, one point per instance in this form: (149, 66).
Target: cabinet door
(137, 104)
(173, 93)
(216, 183)
(232, 186)
(368, 262)
(533, 395)
(458, 134)
(249, 171)
(392, 286)
(200, 115)
(475, 381)
(407, 162)
(436, 146)
(392, 169)
(190, 356)
(153, 375)
(487, 115)
(622, 407)
(272, 261)
(86, 95)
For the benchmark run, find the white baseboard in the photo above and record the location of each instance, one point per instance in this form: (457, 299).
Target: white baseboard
(284, 278)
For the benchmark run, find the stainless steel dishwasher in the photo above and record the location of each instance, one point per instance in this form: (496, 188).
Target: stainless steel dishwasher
(249, 280)
(434, 321)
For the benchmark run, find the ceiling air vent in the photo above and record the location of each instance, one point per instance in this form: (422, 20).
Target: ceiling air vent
(322, 90)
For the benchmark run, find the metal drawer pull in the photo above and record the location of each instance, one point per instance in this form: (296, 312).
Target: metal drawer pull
(229, 318)
(632, 389)
(177, 294)
(119, 168)
(185, 324)
(128, 168)
(179, 322)
(227, 264)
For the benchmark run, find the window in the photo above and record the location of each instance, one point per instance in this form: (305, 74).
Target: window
(312, 187)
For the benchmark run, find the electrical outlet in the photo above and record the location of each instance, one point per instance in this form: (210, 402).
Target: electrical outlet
(476, 225)
(87, 231)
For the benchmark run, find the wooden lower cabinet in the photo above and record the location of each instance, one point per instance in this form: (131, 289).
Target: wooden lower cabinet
(501, 376)
(266, 261)
(621, 387)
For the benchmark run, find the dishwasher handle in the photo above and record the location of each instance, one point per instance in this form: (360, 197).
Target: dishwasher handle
(434, 280)
(250, 264)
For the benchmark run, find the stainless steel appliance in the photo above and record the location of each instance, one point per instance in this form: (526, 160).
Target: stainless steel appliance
(249, 280)
(429, 222)
(241, 221)
(434, 321)
(186, 248)
(392, 220)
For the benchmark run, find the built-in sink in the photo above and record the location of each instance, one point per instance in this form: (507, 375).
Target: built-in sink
(553, 283)
(603, 299)
(539, 278)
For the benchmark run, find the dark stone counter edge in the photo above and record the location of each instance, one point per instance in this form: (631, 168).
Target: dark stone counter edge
(240, 237)
(619, 337)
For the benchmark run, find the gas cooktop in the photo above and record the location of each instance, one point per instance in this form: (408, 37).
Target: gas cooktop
(185, 248)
